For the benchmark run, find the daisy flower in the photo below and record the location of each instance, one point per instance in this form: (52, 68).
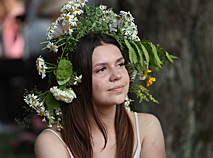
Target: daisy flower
(69, 30)
(77, 79)
(42, 70)
(77, 12)
(39, 61)
(103, 7)
(52, 47)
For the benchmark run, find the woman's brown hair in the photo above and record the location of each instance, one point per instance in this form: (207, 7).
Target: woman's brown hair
(76, 132)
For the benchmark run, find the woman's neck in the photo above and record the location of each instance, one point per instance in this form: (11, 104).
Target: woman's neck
(107, 116)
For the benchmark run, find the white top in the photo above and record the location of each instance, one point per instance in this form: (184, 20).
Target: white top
(137, 152)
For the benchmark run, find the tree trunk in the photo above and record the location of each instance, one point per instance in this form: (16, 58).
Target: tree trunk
(184, 29)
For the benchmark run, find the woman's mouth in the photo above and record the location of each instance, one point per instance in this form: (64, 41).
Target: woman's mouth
(117, 89)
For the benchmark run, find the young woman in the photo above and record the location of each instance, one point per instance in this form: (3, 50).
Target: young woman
(96, 124)
(86, 101)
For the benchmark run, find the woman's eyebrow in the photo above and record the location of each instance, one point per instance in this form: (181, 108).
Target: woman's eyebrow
(99, 64)
(121, 58)
(105, 63)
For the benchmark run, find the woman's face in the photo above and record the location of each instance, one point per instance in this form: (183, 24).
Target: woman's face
(110, 80)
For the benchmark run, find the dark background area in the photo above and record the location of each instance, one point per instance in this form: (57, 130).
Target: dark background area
(185, 92)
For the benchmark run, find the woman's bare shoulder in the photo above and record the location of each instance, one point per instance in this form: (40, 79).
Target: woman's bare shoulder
(151, 136)
(48, 145)
(147, 120)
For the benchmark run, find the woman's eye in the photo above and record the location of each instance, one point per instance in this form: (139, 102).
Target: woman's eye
(121, 64)
(102, 69)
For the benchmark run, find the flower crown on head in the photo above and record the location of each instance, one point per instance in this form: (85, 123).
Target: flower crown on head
(76, 21)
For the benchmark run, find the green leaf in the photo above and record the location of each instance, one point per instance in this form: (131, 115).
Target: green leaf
(156, 68)
(51, 102)
(168, 56)
(62, 87)
(146, 54)
(141, 57)
(132, 54)
(62, 82)
(64, 70)
(156, 57)
(173, 57)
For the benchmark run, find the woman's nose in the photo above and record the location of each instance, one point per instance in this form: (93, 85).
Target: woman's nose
(115, 74)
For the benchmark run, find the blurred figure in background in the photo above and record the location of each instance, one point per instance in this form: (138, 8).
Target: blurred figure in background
(41, 18)
(12, 40)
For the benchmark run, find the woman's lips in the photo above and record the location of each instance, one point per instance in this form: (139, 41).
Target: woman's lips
(117, 89)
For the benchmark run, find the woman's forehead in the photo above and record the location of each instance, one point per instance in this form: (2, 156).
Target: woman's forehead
(106, 53)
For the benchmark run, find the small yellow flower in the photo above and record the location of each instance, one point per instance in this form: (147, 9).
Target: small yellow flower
(150, 81)
(148, 71)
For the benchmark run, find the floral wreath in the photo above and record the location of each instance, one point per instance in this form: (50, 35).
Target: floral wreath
(75, 21)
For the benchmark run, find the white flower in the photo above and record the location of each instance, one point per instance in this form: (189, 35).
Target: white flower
(79, 3)
(65, 7)
(58, 111)
(33, 102)
(142, 77)
(41, 111)
(69, 18)
(133, 75)
(109, 13)
(77, 12)
(41, 66)
(127, 103)
(135, 37)
(52, 47)
(73, 21)
(77, 79)
(102, 7)
(127, 16)
(49, 36)
(51, 29)
(30, 99)
(67, 95)
(65, 18)
(50, 125)
(128, 33)
(69, 30)
(42, 70)
(44, 119)
(27, 98)
(39, 61)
